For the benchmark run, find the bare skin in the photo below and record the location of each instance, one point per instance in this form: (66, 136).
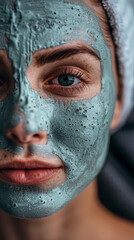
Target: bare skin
(84, 218)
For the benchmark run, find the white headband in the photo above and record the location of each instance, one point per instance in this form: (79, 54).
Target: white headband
(121, 19)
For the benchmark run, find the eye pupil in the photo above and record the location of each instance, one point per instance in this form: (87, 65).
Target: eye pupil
(66, 80)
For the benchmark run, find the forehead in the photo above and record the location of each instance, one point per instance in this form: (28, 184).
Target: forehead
(46, 23)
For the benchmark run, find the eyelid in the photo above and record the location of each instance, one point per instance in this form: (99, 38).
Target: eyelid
(68, 70)
(67, 91)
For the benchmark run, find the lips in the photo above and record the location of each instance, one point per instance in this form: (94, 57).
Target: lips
(28, 172)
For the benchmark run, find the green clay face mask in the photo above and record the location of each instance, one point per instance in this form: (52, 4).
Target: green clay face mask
(78, 131)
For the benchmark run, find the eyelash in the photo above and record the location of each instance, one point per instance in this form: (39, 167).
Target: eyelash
(77, 73)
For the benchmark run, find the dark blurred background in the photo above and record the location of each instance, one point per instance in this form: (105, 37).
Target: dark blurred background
(116, 180)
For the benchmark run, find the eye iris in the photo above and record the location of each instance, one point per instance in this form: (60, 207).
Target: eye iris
(66, 80)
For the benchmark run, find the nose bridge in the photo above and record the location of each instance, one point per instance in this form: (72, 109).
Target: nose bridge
(26, 100)
(20, 64)
(22, 106)
(20, 54)
(28, 108)
(23, 94)
(22, 125)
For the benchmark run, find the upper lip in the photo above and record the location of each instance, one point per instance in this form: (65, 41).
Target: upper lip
(29, 164)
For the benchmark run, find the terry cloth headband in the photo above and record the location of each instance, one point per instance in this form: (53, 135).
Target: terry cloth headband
(121, 19)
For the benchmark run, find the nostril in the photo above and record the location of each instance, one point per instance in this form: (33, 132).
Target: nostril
(40, 137)
(18, 136)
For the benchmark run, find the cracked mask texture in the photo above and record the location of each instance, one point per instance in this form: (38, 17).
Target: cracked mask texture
(78, 131)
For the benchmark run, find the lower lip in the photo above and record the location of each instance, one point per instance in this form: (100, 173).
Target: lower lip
(28, 176)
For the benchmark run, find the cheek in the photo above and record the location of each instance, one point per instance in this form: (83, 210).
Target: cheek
(76, 128)
(76, 122)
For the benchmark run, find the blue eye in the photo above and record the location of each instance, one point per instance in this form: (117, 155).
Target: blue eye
(66, 80)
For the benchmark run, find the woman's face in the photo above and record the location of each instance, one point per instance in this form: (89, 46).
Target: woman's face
(57, 97)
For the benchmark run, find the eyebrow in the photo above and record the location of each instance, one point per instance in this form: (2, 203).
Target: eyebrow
(60, 54)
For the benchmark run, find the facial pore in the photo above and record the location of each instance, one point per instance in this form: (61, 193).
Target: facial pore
(78, 130)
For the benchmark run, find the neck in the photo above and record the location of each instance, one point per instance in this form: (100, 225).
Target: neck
(56, 227)
(84, 218)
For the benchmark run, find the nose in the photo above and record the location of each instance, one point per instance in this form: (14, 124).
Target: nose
(19, 136)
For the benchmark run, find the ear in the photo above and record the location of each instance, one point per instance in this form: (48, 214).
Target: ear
(116, 116)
